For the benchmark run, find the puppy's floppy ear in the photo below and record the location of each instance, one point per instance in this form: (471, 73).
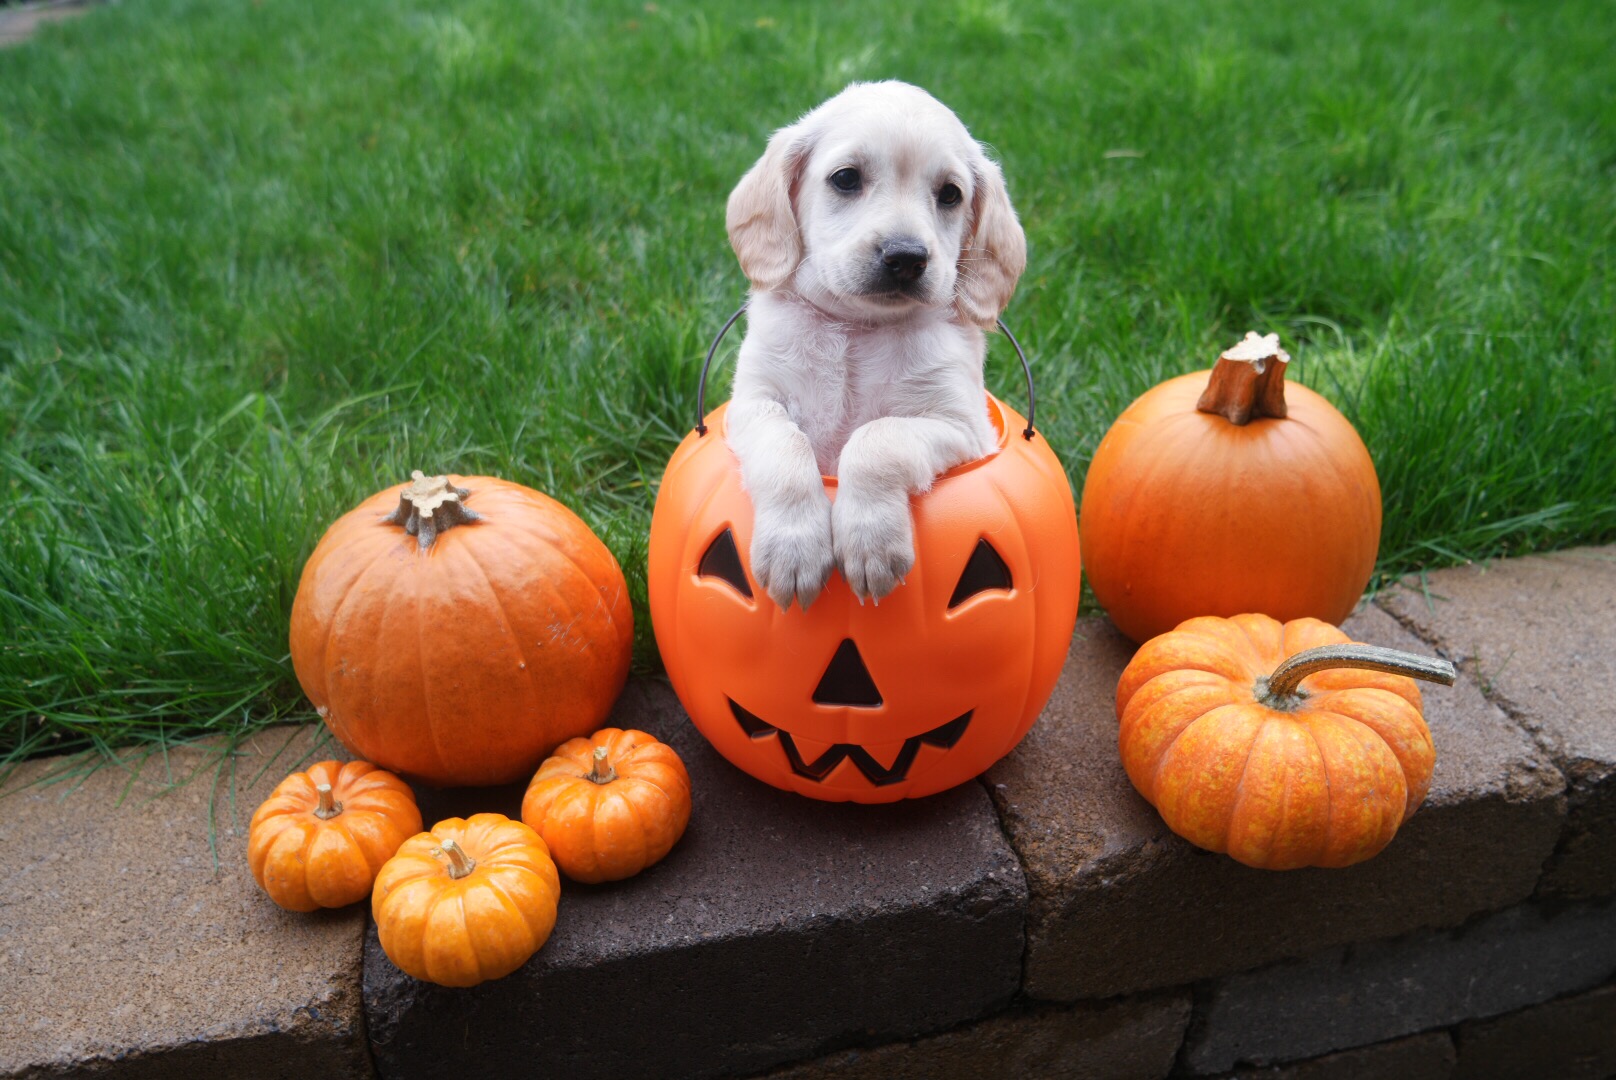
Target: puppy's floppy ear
(762, 217)
(995, 252)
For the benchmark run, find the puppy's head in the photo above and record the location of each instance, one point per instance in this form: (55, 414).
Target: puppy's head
(878, 204)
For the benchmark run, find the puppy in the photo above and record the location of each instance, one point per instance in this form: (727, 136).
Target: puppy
(879, 242)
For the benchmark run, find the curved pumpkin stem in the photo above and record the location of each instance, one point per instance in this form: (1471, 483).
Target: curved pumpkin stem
(460, 864)
(1248, 381)
(329, 807)
(429, 506)
(601, 772)
(1281, 689)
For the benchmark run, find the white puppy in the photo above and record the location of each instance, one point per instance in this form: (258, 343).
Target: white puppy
(879, 242)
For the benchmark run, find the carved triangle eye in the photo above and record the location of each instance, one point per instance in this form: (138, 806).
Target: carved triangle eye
(722, 561)
(985, 570)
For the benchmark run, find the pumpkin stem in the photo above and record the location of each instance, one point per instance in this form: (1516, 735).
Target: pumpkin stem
(329, 807)
(460, 864)
(601, 772)
(1248, 381)
(429, 506)
(1281, 689)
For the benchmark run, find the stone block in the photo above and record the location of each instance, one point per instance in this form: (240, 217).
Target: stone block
(20, 24)
(1127, 1039)
(1540, 634)
(1368, 993)
(778, 928)
(1573, 1038)
(1418, 1057)
(1119, 904)
(134, 941)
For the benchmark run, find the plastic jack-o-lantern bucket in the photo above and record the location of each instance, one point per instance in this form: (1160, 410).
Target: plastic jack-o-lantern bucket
(867, 702)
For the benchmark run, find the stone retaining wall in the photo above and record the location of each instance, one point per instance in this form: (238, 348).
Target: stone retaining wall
(1042, 923)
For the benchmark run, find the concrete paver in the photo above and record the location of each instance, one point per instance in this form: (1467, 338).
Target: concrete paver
(22, 22)
(887, 939)
(125, 951)
(1127, 1039)
(777, 928)
(1119, 904)
(1572, 1038)
(1418, 1057)
(1540, 633)
(1380, 990)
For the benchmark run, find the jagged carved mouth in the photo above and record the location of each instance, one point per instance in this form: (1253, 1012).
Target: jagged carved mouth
(944, 737)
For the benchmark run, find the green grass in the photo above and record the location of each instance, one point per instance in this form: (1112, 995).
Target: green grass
(258, 259)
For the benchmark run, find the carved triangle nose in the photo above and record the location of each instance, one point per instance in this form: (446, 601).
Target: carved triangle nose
(846, 680)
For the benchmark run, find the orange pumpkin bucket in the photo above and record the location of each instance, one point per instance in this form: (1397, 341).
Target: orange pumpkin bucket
(871, 703)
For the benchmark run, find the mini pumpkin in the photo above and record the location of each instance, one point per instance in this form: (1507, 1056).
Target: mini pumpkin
(459, 629)
(469, 901)
(871, 702)
(1227, 492)
(610, 805)
(322, 835)
(1283, 745)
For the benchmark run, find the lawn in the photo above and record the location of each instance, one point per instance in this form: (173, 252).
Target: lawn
(259, 258)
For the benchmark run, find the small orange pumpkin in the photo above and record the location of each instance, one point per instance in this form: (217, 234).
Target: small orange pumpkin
(1219, 493)
(465, 634)
(610, 805)
(1281, 745)
(322, 835)
(469, 901)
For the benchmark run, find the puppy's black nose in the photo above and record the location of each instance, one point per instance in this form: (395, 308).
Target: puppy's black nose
(905, 260)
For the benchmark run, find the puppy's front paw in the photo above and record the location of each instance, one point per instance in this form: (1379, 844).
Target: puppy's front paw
(875, 543)
(792, 554)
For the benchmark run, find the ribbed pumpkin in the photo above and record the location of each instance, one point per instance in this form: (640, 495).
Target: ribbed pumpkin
(323, 833)
(459, 630)
(1227, 492)
(469, 901)
(610, 805)
(1284, 745)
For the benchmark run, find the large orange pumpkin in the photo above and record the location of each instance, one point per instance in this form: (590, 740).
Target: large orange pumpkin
(1227, 492)
(459, 630)
(871, 703)
(1284, 745)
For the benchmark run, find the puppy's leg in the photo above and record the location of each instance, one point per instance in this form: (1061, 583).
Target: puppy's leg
(791, 531)
(883, 464)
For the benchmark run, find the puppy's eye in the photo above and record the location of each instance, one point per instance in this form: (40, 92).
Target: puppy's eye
(846, 180)
(949, 195)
